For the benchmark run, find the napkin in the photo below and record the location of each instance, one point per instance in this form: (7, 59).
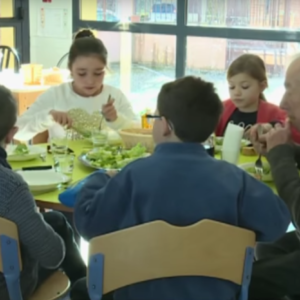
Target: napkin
(232, 143)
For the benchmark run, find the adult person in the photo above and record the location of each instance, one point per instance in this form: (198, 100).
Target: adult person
(47, 240)
(277, 272)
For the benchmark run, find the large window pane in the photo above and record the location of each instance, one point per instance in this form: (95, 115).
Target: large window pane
(139, 64)
(259, 14)
(140, 11)
(7, 38)
(217, 54)
(6, 8)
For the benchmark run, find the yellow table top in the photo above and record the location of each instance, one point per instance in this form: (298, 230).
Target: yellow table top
(50, 200)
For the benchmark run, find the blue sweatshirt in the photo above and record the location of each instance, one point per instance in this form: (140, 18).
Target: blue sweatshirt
(180, 184)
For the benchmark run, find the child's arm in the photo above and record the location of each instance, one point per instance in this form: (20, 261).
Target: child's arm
(262, 211)
(102, 204)
(37, 237)
(37, 118)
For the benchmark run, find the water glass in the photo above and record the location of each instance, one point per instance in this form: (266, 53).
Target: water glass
(99, 137)
(64, 164)
(59, 145)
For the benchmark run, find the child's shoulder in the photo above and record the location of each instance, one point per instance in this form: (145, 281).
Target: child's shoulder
(9, 182)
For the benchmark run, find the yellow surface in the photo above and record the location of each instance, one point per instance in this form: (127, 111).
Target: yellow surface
(80, 171)
(88, 10)
(6, 8)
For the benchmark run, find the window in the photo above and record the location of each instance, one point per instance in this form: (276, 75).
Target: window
(139, 64)
(217, 54)
(166, 39)
(259, 14)
(146, 11)
(14, 27)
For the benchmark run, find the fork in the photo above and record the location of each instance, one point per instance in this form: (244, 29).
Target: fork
(258, 166)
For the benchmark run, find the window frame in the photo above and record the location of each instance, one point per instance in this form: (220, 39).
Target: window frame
(181, 31)
(20, 23)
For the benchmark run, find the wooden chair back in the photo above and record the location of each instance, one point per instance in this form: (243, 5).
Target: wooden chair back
(55, 287)
(158, 250)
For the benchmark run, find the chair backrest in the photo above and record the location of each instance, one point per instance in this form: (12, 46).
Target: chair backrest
(8, 232)
(62, 59)
(158, 249)
(5, 54)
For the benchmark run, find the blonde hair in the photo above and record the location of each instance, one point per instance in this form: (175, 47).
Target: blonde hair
(251, 65)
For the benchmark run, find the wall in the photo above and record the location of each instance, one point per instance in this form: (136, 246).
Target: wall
(48, 50)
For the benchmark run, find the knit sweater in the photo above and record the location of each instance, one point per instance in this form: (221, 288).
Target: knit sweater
(284, 161)
(40, 245)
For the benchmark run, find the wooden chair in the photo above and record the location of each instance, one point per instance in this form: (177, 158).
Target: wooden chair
(5, 53)
(55, 287)
(158, 249)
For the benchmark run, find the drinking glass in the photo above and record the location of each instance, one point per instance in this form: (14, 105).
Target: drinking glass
(99, 137)
(59, 145)
(64, 164)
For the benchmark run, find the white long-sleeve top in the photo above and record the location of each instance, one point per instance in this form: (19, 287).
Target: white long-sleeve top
(63, 98)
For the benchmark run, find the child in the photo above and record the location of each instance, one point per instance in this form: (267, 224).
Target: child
(247, 105)
(181, 184)
(47, 240)
(51, 111)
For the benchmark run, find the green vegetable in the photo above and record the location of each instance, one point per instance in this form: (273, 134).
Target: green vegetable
(21, 149)
(114, 157)
(266, 170)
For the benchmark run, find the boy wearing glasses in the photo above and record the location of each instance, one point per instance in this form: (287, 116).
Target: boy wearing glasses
(181, 184)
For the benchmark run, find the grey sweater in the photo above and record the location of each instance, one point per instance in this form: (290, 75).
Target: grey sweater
(40, 245)
(284, 161)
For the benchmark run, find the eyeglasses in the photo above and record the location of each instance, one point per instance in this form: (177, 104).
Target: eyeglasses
(159, 117)
(153, 116)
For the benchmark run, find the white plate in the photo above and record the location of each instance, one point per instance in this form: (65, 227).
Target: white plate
(34, 152)
(266, 177)
(43, 180)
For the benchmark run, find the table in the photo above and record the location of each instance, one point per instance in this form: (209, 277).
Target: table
(50, 200)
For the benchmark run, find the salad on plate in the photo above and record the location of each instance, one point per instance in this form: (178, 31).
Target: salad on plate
(112, 157)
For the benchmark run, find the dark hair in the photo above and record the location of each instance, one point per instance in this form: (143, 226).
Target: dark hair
(8, 112)
(83, 33)
(86, 44)
(192, 106)
(251, 65)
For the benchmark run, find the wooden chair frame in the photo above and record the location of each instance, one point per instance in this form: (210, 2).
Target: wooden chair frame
(151, 251)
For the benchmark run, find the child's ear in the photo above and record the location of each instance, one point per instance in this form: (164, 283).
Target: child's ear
(11, 135)
(264, 85)
(165, 126)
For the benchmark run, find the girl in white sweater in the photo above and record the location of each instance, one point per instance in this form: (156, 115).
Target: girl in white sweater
(87, 62)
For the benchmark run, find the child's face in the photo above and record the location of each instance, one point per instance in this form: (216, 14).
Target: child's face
(88, 74)
(244, 91)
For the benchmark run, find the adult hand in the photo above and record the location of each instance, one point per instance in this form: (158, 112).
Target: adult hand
(61, 118)
(109, 112)
(279, 135)
(257, 136)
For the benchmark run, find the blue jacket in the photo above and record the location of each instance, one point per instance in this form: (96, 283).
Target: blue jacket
(180, 184)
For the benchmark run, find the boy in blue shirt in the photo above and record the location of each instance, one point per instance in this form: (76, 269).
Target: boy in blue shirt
(180, 184)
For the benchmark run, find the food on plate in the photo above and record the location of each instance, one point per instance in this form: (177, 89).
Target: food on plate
(114, 157)
(248, 151)
(266, 176)
(21, 150)
(219, 141)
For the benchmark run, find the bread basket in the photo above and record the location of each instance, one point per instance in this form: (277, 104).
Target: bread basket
(134, 136)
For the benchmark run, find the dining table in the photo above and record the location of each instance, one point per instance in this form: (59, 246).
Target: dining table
(49, 200)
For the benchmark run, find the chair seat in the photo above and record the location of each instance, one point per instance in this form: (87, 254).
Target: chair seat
(55, 287)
